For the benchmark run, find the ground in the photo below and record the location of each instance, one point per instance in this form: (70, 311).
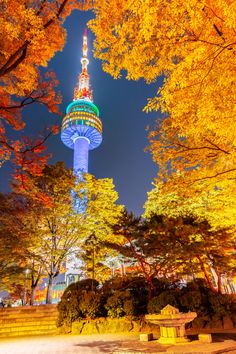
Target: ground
(107, 343)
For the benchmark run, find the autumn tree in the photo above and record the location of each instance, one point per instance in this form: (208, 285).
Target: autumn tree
(93, 254)
(129, 240)
(215, 206)
(32, 33)
(15, 243)
(173, 247)
(102, 214)
(12, 243)
(56, 229)
(192, 247)
(191, 44)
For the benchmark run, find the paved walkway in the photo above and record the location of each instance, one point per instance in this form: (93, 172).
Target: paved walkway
(107, 343)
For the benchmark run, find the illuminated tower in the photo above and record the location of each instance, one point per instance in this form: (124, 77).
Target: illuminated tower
(82, 127)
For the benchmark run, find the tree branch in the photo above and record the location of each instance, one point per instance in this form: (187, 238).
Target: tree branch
(213, 176)
(15, 59)
(57, 15)
(23, 103)
(19, 55)
(188, 148)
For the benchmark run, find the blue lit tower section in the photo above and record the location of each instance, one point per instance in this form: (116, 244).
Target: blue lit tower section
(82, 127)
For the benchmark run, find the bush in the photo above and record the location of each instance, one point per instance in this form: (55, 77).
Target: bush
(138, 295)
(193, 300)
(157, 303)
(72, 304)
(90, 304)
(120, 304)
(220, 305)
(208, 304)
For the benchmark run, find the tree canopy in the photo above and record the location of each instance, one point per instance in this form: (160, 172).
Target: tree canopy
(173, 247)
(32, 33)
(192, 45)
(47, 219)
(216, 206)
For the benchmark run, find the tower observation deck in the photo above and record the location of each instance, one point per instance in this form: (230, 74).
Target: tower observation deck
(81, 127)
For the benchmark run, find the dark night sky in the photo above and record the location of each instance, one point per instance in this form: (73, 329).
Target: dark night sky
(121, 155)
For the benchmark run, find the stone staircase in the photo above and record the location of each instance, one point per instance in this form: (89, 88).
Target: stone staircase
(28, 320)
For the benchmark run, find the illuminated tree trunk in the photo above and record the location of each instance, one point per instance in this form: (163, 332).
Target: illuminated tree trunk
(151, 287)
(206, 275)
(32, 295)
(93, 265)
(35, 276)
(219, 283)
(49, 290)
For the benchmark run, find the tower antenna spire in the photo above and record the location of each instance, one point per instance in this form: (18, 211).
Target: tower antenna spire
(83, 90)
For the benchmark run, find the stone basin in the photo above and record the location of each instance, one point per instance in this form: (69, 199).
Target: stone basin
(172, 324)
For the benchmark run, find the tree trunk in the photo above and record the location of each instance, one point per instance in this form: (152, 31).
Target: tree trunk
(32, 295)
(49, 290)
(93, 266)
(152, 289)
(206, 275)
(219, 283)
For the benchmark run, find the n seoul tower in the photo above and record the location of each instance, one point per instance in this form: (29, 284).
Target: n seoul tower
(82, 127)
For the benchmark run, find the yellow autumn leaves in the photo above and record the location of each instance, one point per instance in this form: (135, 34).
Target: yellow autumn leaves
(191, 43)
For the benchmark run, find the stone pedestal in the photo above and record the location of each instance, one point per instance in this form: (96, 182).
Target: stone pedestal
(146, 337)
(205, 338)
(172, 324)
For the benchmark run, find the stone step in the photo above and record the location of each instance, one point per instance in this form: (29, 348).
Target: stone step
(20, 319)
(32, 332)
(27, 315)
(23, 316)
(30, 322)
(29, 309)
(28, 328)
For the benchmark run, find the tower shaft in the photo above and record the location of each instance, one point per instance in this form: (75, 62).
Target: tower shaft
(81, 148)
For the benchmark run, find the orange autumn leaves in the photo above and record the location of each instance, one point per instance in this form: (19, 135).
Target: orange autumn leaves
(31, 34)
(191, 43)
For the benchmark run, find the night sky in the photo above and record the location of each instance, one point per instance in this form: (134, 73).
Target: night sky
(121, 155)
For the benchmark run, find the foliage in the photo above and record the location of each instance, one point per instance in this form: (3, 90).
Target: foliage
(156, 304)
(197, 298)
(90, 304)
(171, 247)
(211, 305)
(191, 44)
(215, 205)
(12, 243)
(120, 304)
(92, 255)
(102, 211)
(76, 301)
(47, 220)
(128, 240)
(193, 247)
(115, 298)
(220, 304)
(31, 34)
(125, 295)
(48, 217)
(193, 300)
